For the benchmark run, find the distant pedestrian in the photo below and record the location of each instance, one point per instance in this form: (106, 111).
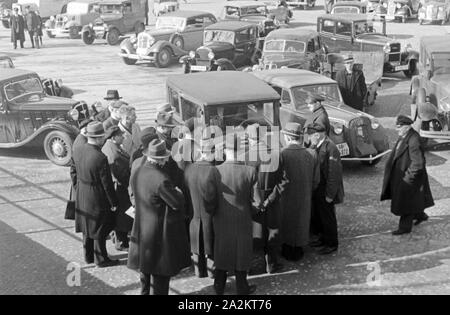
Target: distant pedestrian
(329, 192)
(96, 199)
(32, 24)
(40, 25)
(319, 113)
(406, 180)
(17, 23)
(159, 246)
(165, 123)
(352, 84)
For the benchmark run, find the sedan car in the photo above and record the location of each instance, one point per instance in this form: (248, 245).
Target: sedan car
(358, 136)
(433, 11)
(174, 35)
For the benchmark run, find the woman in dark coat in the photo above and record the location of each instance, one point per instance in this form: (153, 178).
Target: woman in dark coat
(159, 246)
(17, 23)
(406, 180)
(118, 161)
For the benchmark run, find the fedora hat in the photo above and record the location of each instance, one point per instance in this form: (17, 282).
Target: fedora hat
(403, 120)
(293, 129)
(166, 120)
(95, 130)
(112, 95)
(157, 149)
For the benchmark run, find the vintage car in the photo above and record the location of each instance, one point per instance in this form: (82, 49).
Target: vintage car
(293, 48)
(301, 4)
(402, 10)
(6, 62)
(283, 13)
(355, 7)
(433, 11)
(165, 6)
(227, 45)
(358, 136)
(70, 22)
(174, 35)
(359, 32)
(30, 117)
(117, 19)
(377, 6)
(433, 82)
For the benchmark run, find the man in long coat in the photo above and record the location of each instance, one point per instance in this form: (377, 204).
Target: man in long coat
(233, 227)
(319, 113)
(352, 84)
(111, 96)
(119, 162)
(95, 197)
(329, 192)
(301, 177)
(159, 246)
(17, 23)
(406, 179)
(32, 24)
(115, 117)
(201, 179)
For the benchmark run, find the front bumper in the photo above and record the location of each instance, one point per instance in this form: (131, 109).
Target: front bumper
(138, 57)
(445, 135)
(370, 158)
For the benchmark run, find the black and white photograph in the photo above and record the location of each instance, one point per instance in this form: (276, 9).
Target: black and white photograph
(205, 148)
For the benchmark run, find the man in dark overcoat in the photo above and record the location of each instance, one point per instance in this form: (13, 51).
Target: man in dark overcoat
(352, 84)
(159, 246)
(319, 113)
(115, 117)
(200, 179)
(329, 192)
(406, 180)
(32, 24)
(233, 228)
(119, 162)
(95, 196)
(111, 96)
(17, 23)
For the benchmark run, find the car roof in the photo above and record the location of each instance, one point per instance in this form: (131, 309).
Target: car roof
(436, 43)
(292, 34)
(7, 73)
(345, 17)
(289, 78)
(113, 1)
(230, 25)
(186, 13)
(350, 4)
(213, 88)
(243, 3)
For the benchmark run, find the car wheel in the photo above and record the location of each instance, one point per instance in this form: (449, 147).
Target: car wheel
(113, 37)
(371, 163)
(412, 69)
(6, 24)
(58, 147)
(74, 32)
(87, 38)
(129, 61)
(178, 41)
(163, 58)
(49, 34)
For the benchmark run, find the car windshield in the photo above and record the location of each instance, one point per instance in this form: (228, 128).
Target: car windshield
(329, 91)
(256, 10)
(284, 46)
(6, 63)
(111, 9)
(368, 27)
(170, 22)
(76, 8)
(441, 63)
(345, 9)
(218, 36)
(19, 89)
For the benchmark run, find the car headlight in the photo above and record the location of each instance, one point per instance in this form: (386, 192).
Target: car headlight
(192, 54)
(387, 48)
(398, 5)
(211, 55)
(375, 124)
(74, 114)
(338, 129)
(385, 5)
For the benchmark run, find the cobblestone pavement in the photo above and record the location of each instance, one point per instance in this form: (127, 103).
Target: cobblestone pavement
(38, 248)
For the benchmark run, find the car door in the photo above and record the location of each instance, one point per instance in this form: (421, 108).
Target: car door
(344, 36)
(327, 30)
(193, 33)
(245, 43)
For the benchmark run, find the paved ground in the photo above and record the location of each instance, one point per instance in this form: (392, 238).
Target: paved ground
(38, 248)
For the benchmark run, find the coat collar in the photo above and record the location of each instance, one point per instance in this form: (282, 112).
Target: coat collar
(403, 144)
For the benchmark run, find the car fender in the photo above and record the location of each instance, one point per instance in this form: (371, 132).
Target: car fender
(127, 46)
(159, 45)
(89, 29)
(225, 64)
(174, 35)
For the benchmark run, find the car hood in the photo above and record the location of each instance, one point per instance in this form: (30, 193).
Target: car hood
(50, 103)
(443, 80)
(376, 38)
(219, 46)
(342, 113)
(253, 18)
(161, 32)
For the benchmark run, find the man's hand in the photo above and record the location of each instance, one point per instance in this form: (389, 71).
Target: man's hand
(329, 200)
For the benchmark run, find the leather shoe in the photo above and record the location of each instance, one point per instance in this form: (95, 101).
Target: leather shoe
(327, 250)
(422, 219)
(400, 232)
(108, 263)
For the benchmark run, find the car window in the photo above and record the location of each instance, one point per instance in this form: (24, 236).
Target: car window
(344, 29)
(20, 89)
(232, 11)
(194, 22)
(285, 98)
(208, 20)
(127, 8)
(316, 44)
(244, 35)
(229, 115)
(328, 26)
(311, 46)
(329, 91)
(190, 109)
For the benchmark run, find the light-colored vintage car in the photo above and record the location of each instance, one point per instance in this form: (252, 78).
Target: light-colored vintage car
(165, 6)
(433, 11)
(254, 11)
(175, 34)
(301, 4)
(355, 7)
(358, 136)
(402, 10)
(431, 88)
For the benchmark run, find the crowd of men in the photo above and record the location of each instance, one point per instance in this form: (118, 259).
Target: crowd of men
(31, 22)
(207, 211)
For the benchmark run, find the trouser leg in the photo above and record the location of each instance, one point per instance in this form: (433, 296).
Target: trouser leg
(88, 248)
(241, 282)
(21, 43)
(159, 285)
(121, 239)
(199, 259)
(316, 227)
(145, 284)
(220, 280)
(31, 33)
(271, 248)
(15, 43)
(406, 222)
(329, 223)
(100, 252)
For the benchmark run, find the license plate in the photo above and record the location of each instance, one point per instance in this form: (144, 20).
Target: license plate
(198, 68)
(400, 68)
(343, 149)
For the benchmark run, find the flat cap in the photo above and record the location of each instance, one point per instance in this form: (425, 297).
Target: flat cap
(316, 127)
(403, 120)
(293, 129)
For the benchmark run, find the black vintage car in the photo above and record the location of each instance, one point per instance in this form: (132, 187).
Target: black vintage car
(227, 46)
(31, 117)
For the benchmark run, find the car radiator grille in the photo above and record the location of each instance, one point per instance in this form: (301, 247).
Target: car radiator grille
(362, 128)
